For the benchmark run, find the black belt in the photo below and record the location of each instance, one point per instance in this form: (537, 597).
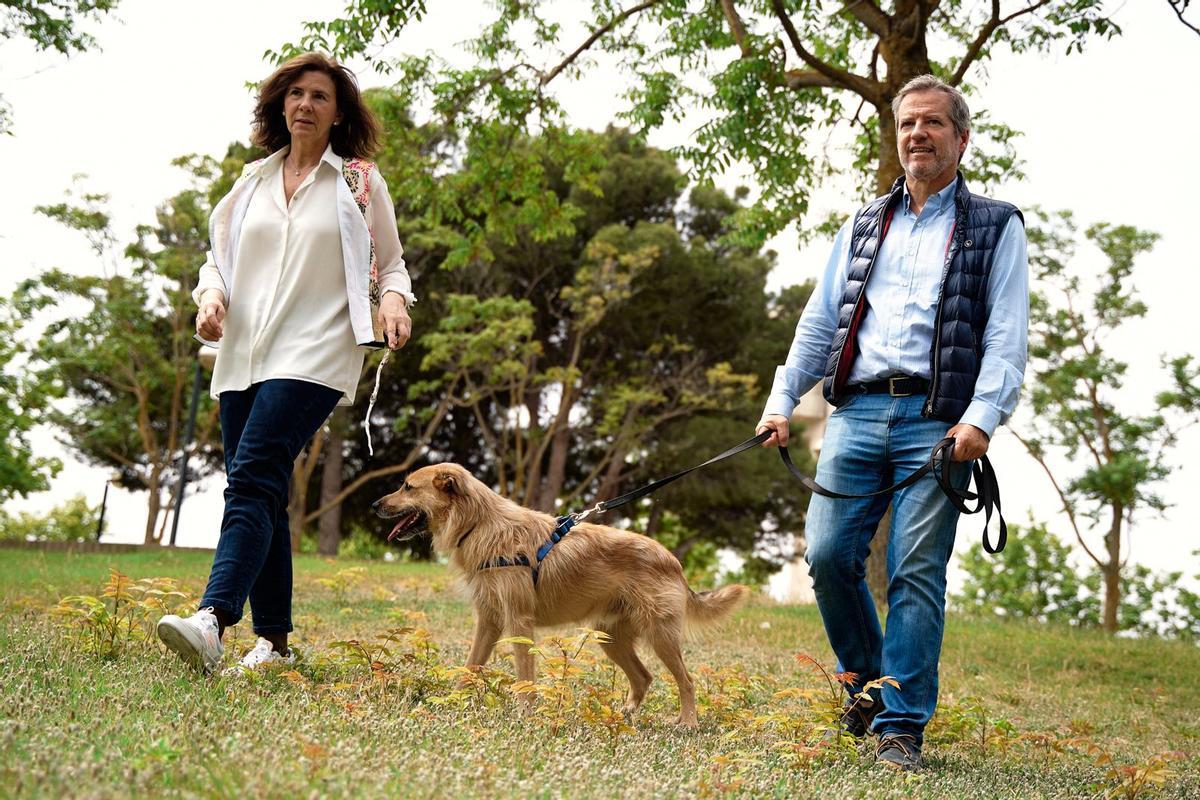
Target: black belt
(896, 386)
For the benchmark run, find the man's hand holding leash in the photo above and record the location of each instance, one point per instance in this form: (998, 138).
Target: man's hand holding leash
(969, 442)
(777, 423)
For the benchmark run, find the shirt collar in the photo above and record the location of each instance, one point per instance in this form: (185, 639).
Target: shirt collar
(937, 201)
(275, 160)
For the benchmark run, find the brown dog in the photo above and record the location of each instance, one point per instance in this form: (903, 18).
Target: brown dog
(626, 585)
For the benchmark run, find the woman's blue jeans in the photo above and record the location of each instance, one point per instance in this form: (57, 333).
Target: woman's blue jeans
(870, 443)
(263, 429)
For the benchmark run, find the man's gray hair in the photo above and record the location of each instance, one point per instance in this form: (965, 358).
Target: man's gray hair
(960, 115)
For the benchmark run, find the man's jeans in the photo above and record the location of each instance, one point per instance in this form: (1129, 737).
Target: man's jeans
(263, 429)
(870, 443)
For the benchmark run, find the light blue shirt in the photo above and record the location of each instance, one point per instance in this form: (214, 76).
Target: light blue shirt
(896, 332)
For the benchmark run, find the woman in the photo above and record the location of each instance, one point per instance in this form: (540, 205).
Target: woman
(300, 244)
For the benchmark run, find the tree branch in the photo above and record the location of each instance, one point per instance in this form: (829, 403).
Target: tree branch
(1179, 6)
(591, 40)
(1061, 495)
(736, 27)
(841, 78)
(806, 79)
(413, 454)
(870, 15)
(985, 33)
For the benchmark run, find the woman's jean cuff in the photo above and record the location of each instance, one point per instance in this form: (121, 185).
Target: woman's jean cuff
(274, 629)
(233, 614)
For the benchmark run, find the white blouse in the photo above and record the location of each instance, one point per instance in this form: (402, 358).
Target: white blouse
(288, 314)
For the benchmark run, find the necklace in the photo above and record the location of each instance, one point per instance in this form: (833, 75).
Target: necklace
(295, 170)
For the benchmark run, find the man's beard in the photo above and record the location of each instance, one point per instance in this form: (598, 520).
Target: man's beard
(926, 170)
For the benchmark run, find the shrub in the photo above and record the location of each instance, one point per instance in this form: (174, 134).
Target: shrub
(73, 521)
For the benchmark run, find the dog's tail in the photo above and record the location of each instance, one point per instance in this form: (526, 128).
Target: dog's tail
(708, 607)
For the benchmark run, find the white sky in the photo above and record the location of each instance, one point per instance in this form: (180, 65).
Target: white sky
(1110, 134)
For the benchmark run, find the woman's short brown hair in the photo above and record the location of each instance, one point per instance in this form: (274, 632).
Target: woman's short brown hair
(357, 135)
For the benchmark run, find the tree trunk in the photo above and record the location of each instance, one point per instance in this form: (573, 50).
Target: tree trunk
(329, 530)
(877, 577)
(889, 160)
(296, 500)
(1112, 572)
(612, 476)
(153, 508)
(556, 474)
(655, 521)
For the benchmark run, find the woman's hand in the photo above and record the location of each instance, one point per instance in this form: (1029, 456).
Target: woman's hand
(394, 319)
(210, 320)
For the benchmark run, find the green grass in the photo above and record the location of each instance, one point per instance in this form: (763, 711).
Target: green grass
(1026, 710)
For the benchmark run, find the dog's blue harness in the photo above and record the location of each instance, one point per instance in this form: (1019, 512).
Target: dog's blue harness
(564, 524)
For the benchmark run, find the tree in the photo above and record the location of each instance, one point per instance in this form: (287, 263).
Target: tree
(1031, 579)
(1114, 457)
(22, 401)
(49, 25)
(764, 84)
(1034, 579)
(571, 365)
(118, 353)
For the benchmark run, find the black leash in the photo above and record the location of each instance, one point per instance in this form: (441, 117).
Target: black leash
(637, 494)
(987, 488)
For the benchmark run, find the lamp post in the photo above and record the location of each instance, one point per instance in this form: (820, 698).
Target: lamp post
(207, 357)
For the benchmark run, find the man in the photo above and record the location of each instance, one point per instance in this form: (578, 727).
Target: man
(918, 331)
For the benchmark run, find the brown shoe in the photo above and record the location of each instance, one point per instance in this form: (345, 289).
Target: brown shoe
(899, 751)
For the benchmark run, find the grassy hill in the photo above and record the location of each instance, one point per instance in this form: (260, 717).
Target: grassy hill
(86, 711)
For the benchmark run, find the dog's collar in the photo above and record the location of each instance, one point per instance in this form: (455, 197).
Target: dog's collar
(463, 538)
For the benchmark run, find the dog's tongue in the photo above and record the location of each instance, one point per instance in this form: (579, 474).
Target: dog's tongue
(401, 525)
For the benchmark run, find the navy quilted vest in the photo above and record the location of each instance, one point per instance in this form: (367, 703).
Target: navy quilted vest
(961, 310)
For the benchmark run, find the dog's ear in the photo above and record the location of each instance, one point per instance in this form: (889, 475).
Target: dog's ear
(446, 483)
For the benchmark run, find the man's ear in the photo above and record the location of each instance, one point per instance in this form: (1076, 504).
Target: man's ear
(445, 483)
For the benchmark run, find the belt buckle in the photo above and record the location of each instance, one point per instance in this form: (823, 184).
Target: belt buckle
(892, 386)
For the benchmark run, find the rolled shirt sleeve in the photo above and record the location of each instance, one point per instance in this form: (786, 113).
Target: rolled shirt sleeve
(809, 353)
(389, 253)
(1006, 336)
(210, 278)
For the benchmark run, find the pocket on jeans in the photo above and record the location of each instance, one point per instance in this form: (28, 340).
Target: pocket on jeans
(849, 401)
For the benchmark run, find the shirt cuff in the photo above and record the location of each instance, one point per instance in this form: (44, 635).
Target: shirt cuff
(983, 416)
(205, 286)
(409, 297)
(779, 404)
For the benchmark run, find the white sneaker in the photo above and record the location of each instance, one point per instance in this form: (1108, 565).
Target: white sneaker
(196, 639)
(263, 655)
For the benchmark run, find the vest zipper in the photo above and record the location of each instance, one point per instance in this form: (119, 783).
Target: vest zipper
(951, 251)
(880, 231)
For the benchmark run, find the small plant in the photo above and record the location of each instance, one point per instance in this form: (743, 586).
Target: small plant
(123, 615)
(829, 708)
(342, 582)
(969, 721)
(1133, 781)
